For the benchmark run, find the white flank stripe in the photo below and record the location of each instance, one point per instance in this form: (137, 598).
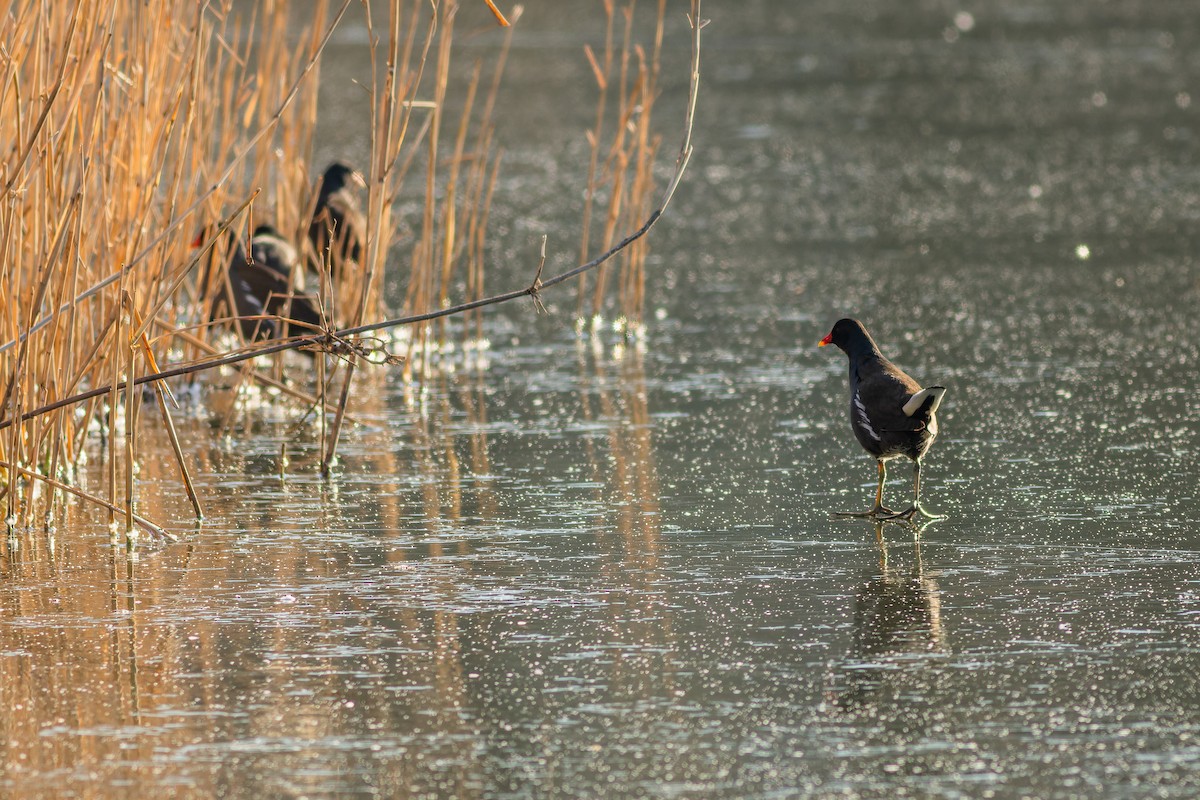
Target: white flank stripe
(863, 420)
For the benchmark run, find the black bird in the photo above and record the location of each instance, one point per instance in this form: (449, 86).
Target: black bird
(890, 413)
(338, 228)
(260, 288)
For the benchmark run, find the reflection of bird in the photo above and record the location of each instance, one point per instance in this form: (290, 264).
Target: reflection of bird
(259, 288)
(890, 413)
(338, 228)
(896, 615)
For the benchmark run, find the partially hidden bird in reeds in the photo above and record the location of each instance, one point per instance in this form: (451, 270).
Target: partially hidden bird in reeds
(337, 231)
(891, 415)
(258, 284)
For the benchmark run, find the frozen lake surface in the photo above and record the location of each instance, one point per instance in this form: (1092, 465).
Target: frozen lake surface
(597, 569)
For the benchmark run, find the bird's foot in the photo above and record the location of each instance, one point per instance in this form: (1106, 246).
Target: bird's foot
(913, 513)
(877, 512)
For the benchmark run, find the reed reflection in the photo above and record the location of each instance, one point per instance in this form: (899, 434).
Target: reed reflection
(298, 643)
(630, 525)
(591, 633)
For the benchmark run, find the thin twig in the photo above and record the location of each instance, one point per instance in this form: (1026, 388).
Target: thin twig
(161, 393)
(499, 16)
(91, 498)
(132, 403)
(535, 289)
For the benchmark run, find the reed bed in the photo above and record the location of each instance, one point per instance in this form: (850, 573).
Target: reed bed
(131, 131)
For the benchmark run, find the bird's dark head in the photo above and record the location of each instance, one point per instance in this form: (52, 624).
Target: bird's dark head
(340, 174)
(266, 229)
(851, 338)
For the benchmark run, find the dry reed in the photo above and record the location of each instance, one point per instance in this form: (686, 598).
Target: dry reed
(624, 171)
(130, 132)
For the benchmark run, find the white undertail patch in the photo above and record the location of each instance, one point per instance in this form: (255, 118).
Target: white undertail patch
(863, 420)
(914, 402)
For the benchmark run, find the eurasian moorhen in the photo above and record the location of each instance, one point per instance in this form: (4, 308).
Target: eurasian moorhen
(338, 227)
(890, 413)
(260, 290)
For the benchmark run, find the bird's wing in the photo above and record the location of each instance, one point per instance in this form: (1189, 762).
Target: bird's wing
(259, 279)
(888, 389)
(275, 254)
(248, 301)
(301, 310)
(272, 291)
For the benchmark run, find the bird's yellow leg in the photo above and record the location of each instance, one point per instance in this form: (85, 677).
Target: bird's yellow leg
(916, 508)
(878, 509)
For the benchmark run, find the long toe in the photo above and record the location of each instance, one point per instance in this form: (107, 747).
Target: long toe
(882, 512)
(913, 512)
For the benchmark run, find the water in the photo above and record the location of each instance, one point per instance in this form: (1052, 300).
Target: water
(595, 568)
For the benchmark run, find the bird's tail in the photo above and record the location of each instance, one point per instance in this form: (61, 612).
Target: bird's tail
(925, 402)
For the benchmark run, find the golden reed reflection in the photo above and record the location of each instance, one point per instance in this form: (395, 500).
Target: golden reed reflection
(640, 621)
(897, 619)
(255, 640)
